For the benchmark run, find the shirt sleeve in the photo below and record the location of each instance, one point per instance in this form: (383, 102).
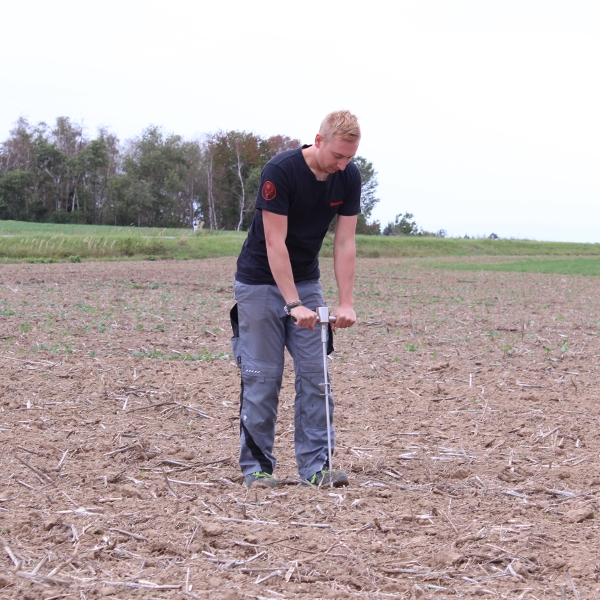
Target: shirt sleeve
(352, 206)
(274, 191)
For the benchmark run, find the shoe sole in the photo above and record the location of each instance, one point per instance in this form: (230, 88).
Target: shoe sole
(339, 482)
(260, 484)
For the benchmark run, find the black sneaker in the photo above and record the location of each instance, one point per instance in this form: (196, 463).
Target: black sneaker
(260, 479)
(322, 478)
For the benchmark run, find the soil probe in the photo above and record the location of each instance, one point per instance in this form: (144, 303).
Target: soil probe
(323, 319)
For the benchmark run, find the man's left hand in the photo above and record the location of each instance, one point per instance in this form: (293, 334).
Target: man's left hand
(345, 317)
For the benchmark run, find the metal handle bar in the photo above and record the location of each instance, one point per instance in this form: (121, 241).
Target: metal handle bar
(321, 318)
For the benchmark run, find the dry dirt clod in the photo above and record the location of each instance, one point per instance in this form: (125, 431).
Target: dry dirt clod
(212, 529)
(446, 558)
(460, 474)
(520, 569)
(107, 590)
(563, 474)
(214, 582)
(130, 491)
(577, 515)
(50, 523)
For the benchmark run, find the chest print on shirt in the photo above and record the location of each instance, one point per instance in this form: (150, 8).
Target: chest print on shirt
(336, 203)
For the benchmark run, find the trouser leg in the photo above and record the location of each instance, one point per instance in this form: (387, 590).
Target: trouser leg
(310, 419)
(259, 353)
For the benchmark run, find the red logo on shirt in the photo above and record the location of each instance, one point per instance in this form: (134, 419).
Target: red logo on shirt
(269, 191)
(336, 203)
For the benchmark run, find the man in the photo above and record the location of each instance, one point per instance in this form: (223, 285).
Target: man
(277, 289)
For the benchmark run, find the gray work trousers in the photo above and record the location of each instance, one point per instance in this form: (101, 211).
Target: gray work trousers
(263, 332)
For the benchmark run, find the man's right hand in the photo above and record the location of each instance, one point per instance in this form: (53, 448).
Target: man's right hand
(304, 317)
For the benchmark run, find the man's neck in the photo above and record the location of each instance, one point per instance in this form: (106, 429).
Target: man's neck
(313, 165)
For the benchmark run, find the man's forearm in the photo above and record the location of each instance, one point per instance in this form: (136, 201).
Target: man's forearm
(344, 266)
(281, 269)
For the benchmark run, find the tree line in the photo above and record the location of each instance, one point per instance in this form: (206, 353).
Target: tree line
(58, 174)
(406, 225)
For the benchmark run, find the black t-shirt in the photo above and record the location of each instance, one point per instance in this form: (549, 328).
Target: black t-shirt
(288, 187)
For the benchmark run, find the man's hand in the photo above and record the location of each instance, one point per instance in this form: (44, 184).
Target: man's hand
(345, 317)
(304, 317)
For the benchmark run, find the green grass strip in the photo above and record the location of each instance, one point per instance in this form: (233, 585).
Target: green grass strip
(33, 242)
(371, 246)
(45, 242)
(565, 266)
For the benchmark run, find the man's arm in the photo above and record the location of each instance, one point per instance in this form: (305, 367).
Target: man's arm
(344, 264)
(275, 227)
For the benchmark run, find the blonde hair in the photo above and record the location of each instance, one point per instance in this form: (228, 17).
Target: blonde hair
(341, 124)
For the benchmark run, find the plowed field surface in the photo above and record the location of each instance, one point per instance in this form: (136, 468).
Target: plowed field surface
(466, 416)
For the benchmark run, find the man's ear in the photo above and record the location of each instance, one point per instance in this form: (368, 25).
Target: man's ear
(318, 140)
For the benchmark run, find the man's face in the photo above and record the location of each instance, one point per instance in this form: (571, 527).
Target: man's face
(335, 154)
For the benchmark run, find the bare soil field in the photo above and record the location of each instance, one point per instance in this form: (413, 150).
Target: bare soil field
(466, 417)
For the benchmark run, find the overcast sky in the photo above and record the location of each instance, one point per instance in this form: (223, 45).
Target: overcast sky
(479, 116)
